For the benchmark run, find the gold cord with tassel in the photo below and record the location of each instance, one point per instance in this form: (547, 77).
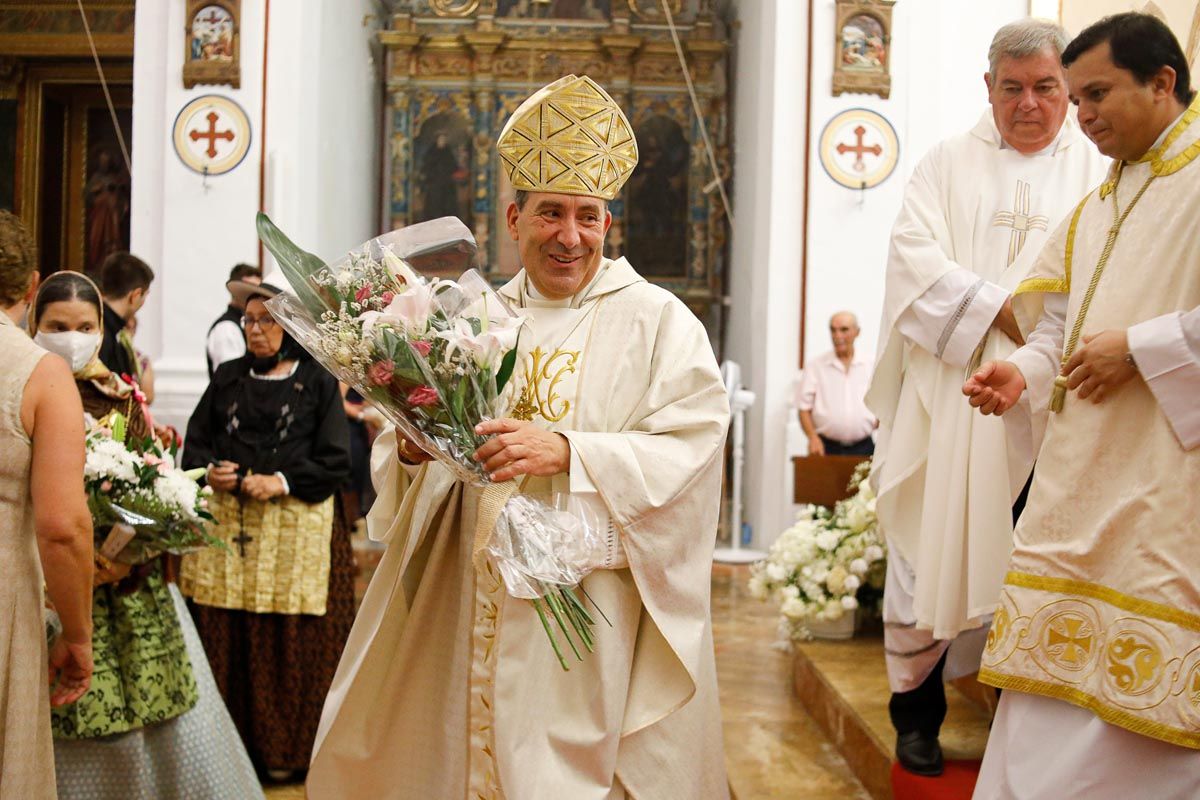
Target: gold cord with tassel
(1059, 394)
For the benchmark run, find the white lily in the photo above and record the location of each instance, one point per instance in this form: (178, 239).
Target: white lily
(486, 348)
(409, 311)
(400, 269)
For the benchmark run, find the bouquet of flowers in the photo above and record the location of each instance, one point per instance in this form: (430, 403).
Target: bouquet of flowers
(827, 564)
(142, 505)
(435, 357)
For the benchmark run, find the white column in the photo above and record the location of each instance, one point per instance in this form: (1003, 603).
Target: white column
(765, 272)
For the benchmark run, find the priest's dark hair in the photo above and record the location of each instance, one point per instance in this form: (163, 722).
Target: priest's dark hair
(242, 271)
(1141, 44)
(121, 273)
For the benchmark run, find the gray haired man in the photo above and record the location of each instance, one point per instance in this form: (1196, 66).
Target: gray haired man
(977, 209)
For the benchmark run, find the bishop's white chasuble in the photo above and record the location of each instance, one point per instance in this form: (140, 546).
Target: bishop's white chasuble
(974, 215)
(448, 687)
(1101, 604)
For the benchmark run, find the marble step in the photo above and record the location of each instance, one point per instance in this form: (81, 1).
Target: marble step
(843, 686)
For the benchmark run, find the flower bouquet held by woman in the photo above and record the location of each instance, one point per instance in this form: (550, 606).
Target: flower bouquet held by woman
(435, 357)
(142, 505)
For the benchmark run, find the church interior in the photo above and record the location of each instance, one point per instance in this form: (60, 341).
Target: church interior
(776, 140)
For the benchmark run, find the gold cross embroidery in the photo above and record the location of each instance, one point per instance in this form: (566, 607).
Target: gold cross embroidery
(1069, 641)
(1019, 220)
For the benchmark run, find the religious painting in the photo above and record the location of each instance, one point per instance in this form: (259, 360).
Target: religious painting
(442, 156)
(862, 49)
(213, 43)
(656, 225)
(105, 194)
(586, 10)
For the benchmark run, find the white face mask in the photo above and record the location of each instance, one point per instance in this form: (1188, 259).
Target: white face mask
(75, 347)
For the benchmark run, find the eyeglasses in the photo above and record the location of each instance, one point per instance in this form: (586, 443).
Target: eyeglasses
(265, 324)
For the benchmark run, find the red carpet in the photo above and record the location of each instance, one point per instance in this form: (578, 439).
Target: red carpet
(956, 783)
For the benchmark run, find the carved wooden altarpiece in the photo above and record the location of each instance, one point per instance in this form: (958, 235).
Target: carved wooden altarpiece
(458, 68)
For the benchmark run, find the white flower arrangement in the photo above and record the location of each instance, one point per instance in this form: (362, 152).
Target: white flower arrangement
(824, 565)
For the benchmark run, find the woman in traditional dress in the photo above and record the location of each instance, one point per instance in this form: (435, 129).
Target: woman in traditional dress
(43, 517)
(275, 610)
(152, 724)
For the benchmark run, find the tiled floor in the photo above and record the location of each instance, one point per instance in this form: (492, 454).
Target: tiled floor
(773, 747)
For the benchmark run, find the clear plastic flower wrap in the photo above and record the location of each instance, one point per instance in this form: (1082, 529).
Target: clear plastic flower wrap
(435, 357)
(544, 541)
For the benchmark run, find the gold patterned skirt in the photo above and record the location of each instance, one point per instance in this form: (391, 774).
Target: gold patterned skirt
(277, 559)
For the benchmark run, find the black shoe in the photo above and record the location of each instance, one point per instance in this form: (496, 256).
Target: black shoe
(919, 754)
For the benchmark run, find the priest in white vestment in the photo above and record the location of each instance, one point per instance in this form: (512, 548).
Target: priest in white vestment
(448, 688)
(977, 208)
(1096, 641)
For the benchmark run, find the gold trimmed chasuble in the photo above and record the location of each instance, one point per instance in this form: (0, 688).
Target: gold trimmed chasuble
(1101, 604)
(448, 688)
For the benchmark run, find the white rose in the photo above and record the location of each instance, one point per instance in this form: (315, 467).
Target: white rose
(851, 584)
(874, 553)
(828, 540)
(794, 609)
(849, 602)
(790, 593)
(858, 567)
(776, 572)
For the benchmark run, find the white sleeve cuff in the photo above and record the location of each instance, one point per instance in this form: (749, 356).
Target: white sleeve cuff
(584, 490)
(971, 323)
(1160, 349)
(287, 489)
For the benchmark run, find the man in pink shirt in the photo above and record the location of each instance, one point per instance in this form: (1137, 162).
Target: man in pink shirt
(830, 397)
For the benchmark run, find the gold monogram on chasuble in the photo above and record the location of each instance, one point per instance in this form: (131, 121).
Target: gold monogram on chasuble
(544, 373)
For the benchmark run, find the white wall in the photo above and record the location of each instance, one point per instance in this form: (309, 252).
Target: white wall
(322, 145)
(938, 60)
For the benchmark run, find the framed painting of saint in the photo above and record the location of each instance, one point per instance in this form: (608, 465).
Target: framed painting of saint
(213, 43)
(863, 47)
(442, 157)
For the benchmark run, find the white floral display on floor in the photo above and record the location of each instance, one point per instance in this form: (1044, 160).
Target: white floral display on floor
(827, 564)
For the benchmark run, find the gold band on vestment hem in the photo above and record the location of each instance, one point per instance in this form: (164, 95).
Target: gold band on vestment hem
(1113, 716)
(1096, 591)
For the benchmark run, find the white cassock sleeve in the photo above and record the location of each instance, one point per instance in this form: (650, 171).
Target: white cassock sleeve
(952, 316)
(1039, 361)
(585, 491)
(225, 343)
(1167, 352)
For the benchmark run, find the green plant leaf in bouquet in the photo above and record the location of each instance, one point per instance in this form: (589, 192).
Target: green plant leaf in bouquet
(507, 364)
(298, 265)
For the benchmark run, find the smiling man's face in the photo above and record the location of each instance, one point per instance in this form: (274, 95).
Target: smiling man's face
(561, 240)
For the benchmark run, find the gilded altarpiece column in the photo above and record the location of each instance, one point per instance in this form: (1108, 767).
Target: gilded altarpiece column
(457, 69)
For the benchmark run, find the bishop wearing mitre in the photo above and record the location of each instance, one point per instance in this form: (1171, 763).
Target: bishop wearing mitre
(447, 687)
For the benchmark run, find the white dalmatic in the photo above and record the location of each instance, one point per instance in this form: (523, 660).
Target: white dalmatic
(975, 214)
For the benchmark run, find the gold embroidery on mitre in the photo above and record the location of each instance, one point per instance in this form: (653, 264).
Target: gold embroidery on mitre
(542, 375)
(569, 138)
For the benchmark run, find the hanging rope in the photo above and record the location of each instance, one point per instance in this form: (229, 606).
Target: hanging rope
(687, 77)
(112, 109)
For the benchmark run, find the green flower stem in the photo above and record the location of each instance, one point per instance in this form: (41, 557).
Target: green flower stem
(537, 606)
(554, 604)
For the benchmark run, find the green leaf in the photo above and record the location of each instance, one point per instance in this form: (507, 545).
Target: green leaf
(298, 265)
(506, 369)
(458, 401)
